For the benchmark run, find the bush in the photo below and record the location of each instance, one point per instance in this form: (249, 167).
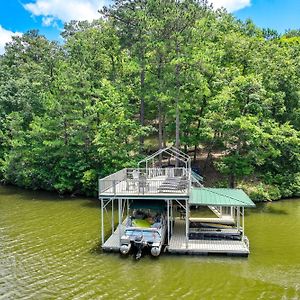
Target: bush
(287, 183)
(260, 191)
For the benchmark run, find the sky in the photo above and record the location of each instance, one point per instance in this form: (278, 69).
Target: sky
(48, 16)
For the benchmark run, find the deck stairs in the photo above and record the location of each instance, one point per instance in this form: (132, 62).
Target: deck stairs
(216, 210)
(197, 180)
(223, 213)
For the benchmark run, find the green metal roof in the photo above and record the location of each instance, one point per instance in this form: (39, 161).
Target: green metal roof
(220, 197)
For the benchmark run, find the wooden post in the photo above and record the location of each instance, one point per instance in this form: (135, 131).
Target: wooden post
(120, 219)
(187, 217)
(102, 222)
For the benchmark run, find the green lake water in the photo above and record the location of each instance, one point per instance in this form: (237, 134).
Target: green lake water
(49, 249)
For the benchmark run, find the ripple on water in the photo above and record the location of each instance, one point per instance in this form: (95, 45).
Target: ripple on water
(49, 249)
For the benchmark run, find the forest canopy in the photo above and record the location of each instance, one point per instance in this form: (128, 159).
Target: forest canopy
(178, 72)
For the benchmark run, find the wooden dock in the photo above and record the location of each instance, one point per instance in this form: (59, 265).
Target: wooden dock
(178, 244)
(176, 190)
(113, 242)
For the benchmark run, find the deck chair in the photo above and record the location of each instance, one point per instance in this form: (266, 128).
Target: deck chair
(133, 182)
(143, 185)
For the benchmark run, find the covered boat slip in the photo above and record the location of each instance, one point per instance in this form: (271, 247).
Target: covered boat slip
(179, 245)
(177, 189)
(223, 234)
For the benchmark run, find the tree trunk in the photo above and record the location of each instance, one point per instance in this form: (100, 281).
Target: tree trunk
(164, 131)
(142, 104)
(195, 152)
(232, 181)
(160, 125)
(160, 132)
(65, 132)
(210, 151)
(177, 133)
(201, 112)
(207, 158)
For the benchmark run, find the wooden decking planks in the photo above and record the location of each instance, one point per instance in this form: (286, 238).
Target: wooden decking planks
(178, 244)
(113, 242)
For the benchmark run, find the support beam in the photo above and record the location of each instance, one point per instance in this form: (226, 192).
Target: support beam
(168, 221)
(120, 219)
(243, 221)
(171, 201)
(112, 216)
(234, 214)
(238, 218)
(187, 217)
(102, 222)
(183, 206)
(123, 208)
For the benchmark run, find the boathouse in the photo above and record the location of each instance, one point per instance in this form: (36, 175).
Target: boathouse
(166, 176)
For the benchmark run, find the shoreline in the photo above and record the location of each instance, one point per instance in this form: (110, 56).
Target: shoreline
(69, 196)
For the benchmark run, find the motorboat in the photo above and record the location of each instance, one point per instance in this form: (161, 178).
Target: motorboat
(144, 230)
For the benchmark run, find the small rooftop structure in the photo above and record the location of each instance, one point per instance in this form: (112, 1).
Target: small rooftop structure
(172, 152)
(166, 175)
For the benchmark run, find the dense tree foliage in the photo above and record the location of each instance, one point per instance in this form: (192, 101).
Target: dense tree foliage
(175, 70)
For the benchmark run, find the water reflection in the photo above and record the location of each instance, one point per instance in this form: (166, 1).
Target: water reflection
(269, 208)
(50, 249)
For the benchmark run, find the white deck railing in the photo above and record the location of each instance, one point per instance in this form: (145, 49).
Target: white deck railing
(141, 181)
(108, 182)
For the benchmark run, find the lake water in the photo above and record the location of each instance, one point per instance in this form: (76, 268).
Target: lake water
(49, 249)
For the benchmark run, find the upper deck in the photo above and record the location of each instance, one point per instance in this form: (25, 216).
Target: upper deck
(147, 182)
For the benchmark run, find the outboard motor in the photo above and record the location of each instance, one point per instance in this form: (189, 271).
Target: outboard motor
(139, 244)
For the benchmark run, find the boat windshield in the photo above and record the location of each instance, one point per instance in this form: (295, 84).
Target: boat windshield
(149, 235)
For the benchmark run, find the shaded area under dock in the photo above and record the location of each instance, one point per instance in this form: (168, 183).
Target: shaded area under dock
(178, 244)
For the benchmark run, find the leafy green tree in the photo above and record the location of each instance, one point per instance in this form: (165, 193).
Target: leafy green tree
(191, 75)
